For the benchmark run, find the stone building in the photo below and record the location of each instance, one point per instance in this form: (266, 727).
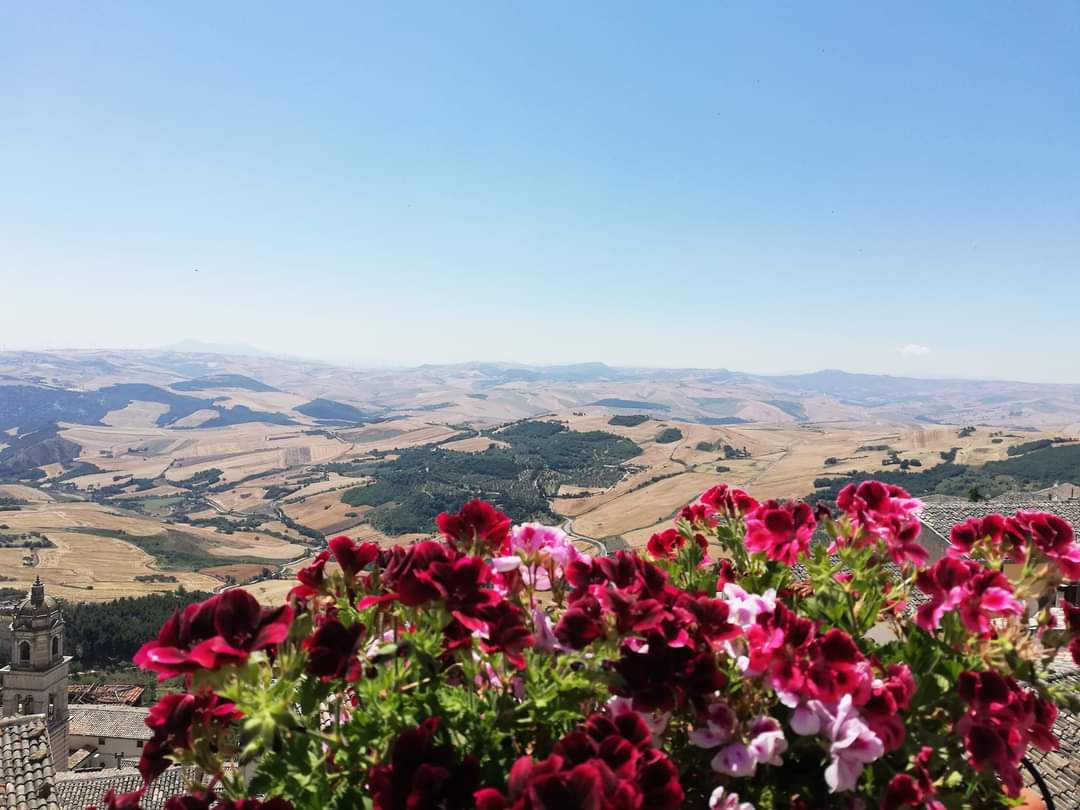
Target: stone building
(36, 679)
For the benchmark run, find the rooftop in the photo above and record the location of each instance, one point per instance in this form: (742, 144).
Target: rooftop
(101, 720)
(27, 778)
(1061, 768)
(121, 694)
(77, 790)
(941, 514)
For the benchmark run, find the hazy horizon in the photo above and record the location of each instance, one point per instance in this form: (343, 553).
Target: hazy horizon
(255, 352)
(769, 190)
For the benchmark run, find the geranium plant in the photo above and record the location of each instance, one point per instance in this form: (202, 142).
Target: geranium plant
(755, 655)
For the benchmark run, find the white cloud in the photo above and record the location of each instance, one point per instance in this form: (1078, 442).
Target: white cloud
(914, 350)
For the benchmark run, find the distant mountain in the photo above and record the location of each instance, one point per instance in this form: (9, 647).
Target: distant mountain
(204, 347)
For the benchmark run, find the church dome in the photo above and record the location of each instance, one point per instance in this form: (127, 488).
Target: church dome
(37, 605)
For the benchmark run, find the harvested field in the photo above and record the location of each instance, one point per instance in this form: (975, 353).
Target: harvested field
(326, 513)
(136, 414)
(24, 493)
(644, 507)
(271, 592)
(88, 568)
(240, 572)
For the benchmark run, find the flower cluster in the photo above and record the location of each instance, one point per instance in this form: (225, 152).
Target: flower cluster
(497, 666)
(609, 764)
(1003, 718)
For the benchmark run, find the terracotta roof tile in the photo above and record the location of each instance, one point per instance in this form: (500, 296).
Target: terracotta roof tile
(27, 778)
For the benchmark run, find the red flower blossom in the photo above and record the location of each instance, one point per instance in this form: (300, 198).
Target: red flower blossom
(728, 500)
(1002, 720)
(478, 527)
(581, 623)
(700, 515)
(507, 633)
(887, 513)
(989, 530)
(173, 719)
(423, 774)
(351, 557)
(332, 650)
(406, 571)
(223, 630)
(311, 577)
(1072, 623)
(608, 765)
(1051, 535)
(781, 531)
(977, 591)
(664, 545)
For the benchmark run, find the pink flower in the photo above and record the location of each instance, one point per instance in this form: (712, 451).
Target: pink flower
(720, 722)
(781, 531)
(744, 608)
(853, 744)
(539, 552)
(721, 799)
(764, 746)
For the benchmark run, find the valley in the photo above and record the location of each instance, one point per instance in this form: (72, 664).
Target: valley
(146, 472)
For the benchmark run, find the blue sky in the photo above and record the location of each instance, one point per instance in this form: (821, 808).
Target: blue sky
(766, 187)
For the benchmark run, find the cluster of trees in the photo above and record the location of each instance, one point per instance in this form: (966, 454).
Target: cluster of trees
(1033, 470)
(669, 435)
(408, 492)
(101, 635)
(628, 420)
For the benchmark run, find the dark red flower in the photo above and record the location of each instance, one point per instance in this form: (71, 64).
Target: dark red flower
(332, 650)
(407, 570)
(1002, 720)
(902, 791)
(507, 633)
(1051, 535)
(423, 774)
(311, 577)
(191, 801)
(223, 630)
(351, 557)
(1072, 623)
(174, 719)
(464, 585)
(610, 764)
(581, 623)
(989, 530)
(782, 532)
(478, 527)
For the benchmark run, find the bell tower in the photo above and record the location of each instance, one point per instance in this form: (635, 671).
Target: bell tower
(36, 680)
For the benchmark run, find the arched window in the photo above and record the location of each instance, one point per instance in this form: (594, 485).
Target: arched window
(24, 652)
(55, 646)
(28, 705)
